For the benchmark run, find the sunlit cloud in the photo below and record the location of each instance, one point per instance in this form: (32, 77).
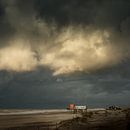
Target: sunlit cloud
(82, 51)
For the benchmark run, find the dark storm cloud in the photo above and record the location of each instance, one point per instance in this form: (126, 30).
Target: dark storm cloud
(68, 11)
(6, 29)
(46, 27)
(40, 90)
(47, 33)
(97, 12)
(100, 13)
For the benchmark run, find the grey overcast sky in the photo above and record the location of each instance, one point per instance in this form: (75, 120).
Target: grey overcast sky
(56, 52)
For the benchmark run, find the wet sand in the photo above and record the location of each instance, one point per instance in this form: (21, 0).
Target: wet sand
(22, 118)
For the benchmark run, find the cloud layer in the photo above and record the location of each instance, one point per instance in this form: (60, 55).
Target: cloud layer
(65, 36)
(70, 39)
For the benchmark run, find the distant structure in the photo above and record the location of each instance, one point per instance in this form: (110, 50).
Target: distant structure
(114, 108)
(76, 108)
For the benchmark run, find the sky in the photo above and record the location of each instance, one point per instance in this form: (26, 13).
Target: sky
(57, 52)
